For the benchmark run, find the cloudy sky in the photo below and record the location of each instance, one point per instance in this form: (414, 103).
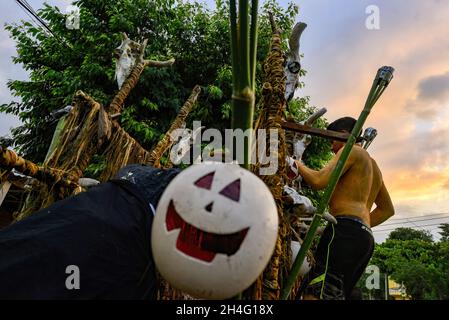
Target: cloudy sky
(342, 56)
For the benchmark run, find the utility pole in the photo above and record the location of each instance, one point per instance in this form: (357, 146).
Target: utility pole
(386, 286)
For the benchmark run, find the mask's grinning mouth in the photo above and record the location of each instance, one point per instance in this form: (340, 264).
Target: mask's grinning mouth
(200, 244)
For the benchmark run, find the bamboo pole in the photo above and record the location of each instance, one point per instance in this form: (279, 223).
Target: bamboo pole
(383, 77)
(253, 43)
(243, 51)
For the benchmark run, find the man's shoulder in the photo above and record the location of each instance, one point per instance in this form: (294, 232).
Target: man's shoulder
(376, 168)
(359, 153)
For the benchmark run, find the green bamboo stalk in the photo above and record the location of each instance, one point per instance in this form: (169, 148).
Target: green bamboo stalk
(243, 72)
(372, 95)
(243, 50)
(383, 77)
(234, 40)
(253, 43)
(379, 94)
(243, 28)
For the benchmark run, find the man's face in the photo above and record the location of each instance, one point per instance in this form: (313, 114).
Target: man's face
(336, 145)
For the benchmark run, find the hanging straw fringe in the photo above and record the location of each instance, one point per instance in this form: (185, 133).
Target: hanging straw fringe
(87, 128)
(122, 150)
(271, 111)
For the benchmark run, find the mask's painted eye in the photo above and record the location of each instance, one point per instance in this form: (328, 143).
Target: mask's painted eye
(205, 182)
(232, 190)
(294, 67)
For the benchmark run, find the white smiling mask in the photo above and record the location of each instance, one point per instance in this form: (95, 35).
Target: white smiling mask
(214, 230)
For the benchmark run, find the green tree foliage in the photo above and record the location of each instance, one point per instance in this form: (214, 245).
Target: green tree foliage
(410, 234)
(197, 37)
(444, 231)
(6, 141)
(412, 258)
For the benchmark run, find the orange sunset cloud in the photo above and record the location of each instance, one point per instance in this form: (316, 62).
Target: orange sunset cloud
(411, 117)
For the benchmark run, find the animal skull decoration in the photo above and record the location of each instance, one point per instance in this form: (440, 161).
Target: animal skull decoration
(214, 230)
(187, 138)
(300, 143)
(302, 206)
(126, 55)
(292, 62)
(57, 114)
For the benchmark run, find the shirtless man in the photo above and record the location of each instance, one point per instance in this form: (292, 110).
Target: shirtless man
(346, 248)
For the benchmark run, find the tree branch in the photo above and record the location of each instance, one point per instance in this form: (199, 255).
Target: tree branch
(131, 81)
(10, 160)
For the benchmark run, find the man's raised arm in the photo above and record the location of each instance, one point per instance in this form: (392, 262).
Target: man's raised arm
(319, 179)
(384, 207)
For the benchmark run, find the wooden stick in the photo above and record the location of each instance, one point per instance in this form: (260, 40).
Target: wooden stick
(164, 144)
(10, 160)
(328, 134)
(274, 28)
(130, 82)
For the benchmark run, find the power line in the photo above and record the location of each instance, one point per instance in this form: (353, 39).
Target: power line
(423, 216)
(33, 21)
(424, 225)
(46, 26)
(25, 5)
(414, 221)
(43, 25)
(34, 13)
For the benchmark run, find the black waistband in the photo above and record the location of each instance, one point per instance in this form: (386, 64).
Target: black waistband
(356, 219)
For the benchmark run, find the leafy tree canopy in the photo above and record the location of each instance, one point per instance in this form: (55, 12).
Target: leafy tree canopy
(410, 234)
(197, 37)
(444, 227)
(412, 258)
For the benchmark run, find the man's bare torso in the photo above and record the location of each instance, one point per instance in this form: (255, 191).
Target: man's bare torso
(358, 187)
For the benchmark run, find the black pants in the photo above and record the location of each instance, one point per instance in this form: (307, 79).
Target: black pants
(342, 255)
